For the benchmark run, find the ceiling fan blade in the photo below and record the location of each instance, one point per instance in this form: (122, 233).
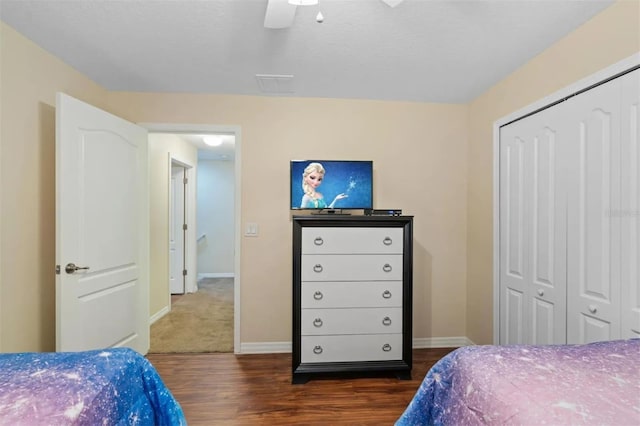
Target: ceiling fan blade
(279, 14)
(392, 3)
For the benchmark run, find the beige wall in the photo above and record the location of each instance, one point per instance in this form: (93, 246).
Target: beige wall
(609, 37)
(30, 79)
(419, 154)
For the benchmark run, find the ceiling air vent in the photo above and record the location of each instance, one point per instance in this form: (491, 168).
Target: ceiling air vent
(275, 84)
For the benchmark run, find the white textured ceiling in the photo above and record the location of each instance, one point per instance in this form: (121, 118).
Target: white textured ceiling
(445, 51)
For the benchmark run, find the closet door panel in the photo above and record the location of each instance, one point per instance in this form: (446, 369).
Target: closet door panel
(514, 286)
(543, 322)
(629, 214)
(548, 233)
(593, 329)
(533, 232)
(593, 238)
(512, 330)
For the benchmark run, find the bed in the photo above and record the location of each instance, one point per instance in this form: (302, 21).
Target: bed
(102, 387)
(595, 383)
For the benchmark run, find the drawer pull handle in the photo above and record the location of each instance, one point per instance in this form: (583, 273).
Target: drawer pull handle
(540, 292)
(387, 241)
(386, 294)
(593, 309)
(317, 322)
(317, 350)
(387, 267)
(386, 347)
(318, 241)
(317, 267)
(317, 295)
(386, 321)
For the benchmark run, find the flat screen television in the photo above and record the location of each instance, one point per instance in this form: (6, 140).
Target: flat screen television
(331, 184)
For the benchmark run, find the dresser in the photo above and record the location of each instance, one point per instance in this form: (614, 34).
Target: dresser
(352, 296)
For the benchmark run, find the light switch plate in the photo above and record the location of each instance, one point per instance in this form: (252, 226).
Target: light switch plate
(251, 229)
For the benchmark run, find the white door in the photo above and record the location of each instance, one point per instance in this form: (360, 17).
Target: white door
(532, 232)
(593, 247)
(102, 229)
(514, 286)
(176, 230)
(629, 216)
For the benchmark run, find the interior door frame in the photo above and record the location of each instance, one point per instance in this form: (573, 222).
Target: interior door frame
(237, 212)
(561, 95)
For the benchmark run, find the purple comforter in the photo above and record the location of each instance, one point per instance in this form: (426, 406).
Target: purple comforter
(103, 387)
(596, 383)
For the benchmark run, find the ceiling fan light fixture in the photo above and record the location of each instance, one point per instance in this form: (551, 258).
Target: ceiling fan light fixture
(303, 2)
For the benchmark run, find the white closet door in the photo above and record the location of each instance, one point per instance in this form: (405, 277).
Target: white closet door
(548, 230)
(569, 265)
(594, 234)
(532, 231)
(514, 286)
(629, 214)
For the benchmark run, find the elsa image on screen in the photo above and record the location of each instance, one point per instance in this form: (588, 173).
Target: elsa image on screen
(312, 178)
(346, 179)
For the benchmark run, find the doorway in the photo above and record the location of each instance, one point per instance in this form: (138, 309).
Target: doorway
(193, 133)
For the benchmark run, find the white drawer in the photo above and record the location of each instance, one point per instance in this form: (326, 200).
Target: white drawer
(369, 347)
(356, 267)
(351, 240)
(360, 294)
(351, 321)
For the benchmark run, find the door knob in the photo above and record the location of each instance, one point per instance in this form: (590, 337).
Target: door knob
(71, 268)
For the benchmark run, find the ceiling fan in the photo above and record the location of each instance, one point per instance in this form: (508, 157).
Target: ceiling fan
(280, 13)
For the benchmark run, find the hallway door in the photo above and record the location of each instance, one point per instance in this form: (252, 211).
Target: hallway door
(177, 231)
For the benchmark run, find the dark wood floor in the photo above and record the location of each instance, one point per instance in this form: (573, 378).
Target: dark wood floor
(228, 389)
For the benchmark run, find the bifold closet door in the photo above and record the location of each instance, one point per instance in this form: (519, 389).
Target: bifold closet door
(532, 231)
(603, 190)
(570, 219)
(629, 214)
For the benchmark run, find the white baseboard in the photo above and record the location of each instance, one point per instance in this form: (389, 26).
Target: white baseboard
(215, 275)
(419, 343)
(265, 348)
(441, 342)
(162, 312)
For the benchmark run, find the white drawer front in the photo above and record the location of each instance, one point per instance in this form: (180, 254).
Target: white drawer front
(357, 267)
(351, 321)
(351, 240)
(371, 347)
(336, 294)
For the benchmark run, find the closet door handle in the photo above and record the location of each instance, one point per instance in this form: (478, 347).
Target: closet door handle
(317, 268)
(593, 309)
(540, 292)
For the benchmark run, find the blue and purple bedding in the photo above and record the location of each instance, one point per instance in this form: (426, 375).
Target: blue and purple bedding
(102, 387)
(596, 383)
